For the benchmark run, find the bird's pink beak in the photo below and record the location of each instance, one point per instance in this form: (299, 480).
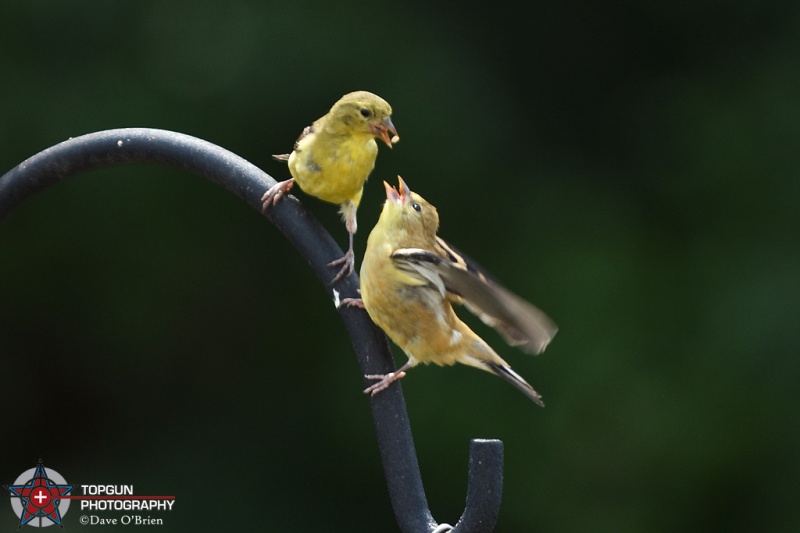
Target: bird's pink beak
(392, 194)
(383, 129)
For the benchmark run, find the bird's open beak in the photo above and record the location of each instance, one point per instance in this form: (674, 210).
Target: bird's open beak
(396, 197)
(405, 192)
(383, 130)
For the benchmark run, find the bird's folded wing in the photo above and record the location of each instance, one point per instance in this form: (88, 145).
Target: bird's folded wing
(308, 130)
(519, 322)
(416, 263)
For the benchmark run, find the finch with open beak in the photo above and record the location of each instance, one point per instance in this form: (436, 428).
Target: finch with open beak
(409, 280)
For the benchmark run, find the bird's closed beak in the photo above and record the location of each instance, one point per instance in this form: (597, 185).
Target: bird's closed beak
(398, 197)
(383, 130)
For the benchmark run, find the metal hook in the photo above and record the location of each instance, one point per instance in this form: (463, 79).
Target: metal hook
(144, 145)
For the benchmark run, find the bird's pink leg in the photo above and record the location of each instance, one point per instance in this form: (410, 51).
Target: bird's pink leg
(348, 261)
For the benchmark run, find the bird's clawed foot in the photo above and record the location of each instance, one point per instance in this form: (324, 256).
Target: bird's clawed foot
(353, 302)
(385, 381)
(275, 193)
(348, 262)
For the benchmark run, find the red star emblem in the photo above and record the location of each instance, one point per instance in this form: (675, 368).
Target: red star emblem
(40, 497)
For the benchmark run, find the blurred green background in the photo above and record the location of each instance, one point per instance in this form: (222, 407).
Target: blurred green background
(630, 167)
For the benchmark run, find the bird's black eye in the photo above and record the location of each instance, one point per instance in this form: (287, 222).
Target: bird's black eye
(416, 207)
(364, 112)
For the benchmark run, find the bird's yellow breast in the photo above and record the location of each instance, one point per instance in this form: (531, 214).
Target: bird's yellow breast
(414, 315)
(333, 168)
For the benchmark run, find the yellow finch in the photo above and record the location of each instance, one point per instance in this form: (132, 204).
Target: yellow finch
(333, 157)
(409, 277)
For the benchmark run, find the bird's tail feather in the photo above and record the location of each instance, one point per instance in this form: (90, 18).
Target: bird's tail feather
(515, 379)
(482, 356)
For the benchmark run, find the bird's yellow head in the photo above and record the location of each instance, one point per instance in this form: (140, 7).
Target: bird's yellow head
(407, 218)
(366, 113)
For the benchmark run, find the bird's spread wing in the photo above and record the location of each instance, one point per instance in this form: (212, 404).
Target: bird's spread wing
(521, 324)
(308, 130)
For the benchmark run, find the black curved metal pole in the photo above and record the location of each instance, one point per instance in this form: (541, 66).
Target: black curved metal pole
(484, 487)
(144, 145)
